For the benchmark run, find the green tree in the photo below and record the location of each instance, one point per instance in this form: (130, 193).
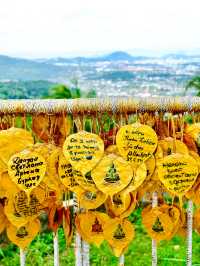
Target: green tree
(194, 83)
(76, 93)
(60, 91)
(91, 94)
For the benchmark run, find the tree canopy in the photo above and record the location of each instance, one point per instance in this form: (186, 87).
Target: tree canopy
(60, 91)
(194, 83)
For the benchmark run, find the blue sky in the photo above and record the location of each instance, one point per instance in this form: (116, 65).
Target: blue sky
(46, 28)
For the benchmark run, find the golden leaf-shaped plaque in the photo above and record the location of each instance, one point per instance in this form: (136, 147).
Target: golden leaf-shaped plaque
(119, 234)
(27, 169)
(22, 236)
(91, 200)
(112, 174)
(83, 150)
(19, 210)
(91, 226)
(136, 143)
(178, 173)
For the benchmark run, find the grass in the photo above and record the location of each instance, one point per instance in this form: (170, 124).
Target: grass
(40, 252)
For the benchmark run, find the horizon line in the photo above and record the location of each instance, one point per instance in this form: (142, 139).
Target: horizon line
(138, 53)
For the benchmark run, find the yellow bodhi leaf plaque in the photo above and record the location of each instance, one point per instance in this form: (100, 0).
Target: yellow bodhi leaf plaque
(19, 211)
(139, 175)
(178, 173)
(22, 236)
(86, 182)
(27, 169)
(112, 174)
(157, 223)
(91, 224)
(66, 175)
(194, 131)
(136, 143)
(83, 150)
(91, 200)
(169, 146)
(150, 166)
(7, 187)
(13, 140)
(51, 154)
(65, 172)
(119, 233)
(120, 205)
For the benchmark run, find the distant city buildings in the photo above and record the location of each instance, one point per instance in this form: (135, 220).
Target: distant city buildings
(109, 76)
(151, 77)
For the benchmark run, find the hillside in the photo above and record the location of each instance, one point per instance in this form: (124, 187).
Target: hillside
(51, 69)
(23, 69)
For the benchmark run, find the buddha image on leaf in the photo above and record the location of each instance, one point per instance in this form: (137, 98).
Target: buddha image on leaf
(112, 176)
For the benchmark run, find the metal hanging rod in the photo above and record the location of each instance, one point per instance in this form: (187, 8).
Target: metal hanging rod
(114, 105)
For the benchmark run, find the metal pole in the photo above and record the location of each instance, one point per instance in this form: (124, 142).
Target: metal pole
(78, 249)
(121, 260)
(154, 245)
(78, 241)
(189, 232)
(85, 254)
(56, 249)
(22, 257)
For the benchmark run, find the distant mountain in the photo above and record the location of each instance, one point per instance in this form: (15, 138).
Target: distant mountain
(12, 68)
(115, 56)
(58, 69)
(23, 69)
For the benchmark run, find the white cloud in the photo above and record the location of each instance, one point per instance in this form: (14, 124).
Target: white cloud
(60, 27)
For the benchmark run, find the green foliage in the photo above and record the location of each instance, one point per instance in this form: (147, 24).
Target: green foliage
(91, 94)
(24, 89)
(108, 122)
(42, 89)
(60, 91)
(194, 83)
(76, 93)
(88, 125)
(188, 119)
